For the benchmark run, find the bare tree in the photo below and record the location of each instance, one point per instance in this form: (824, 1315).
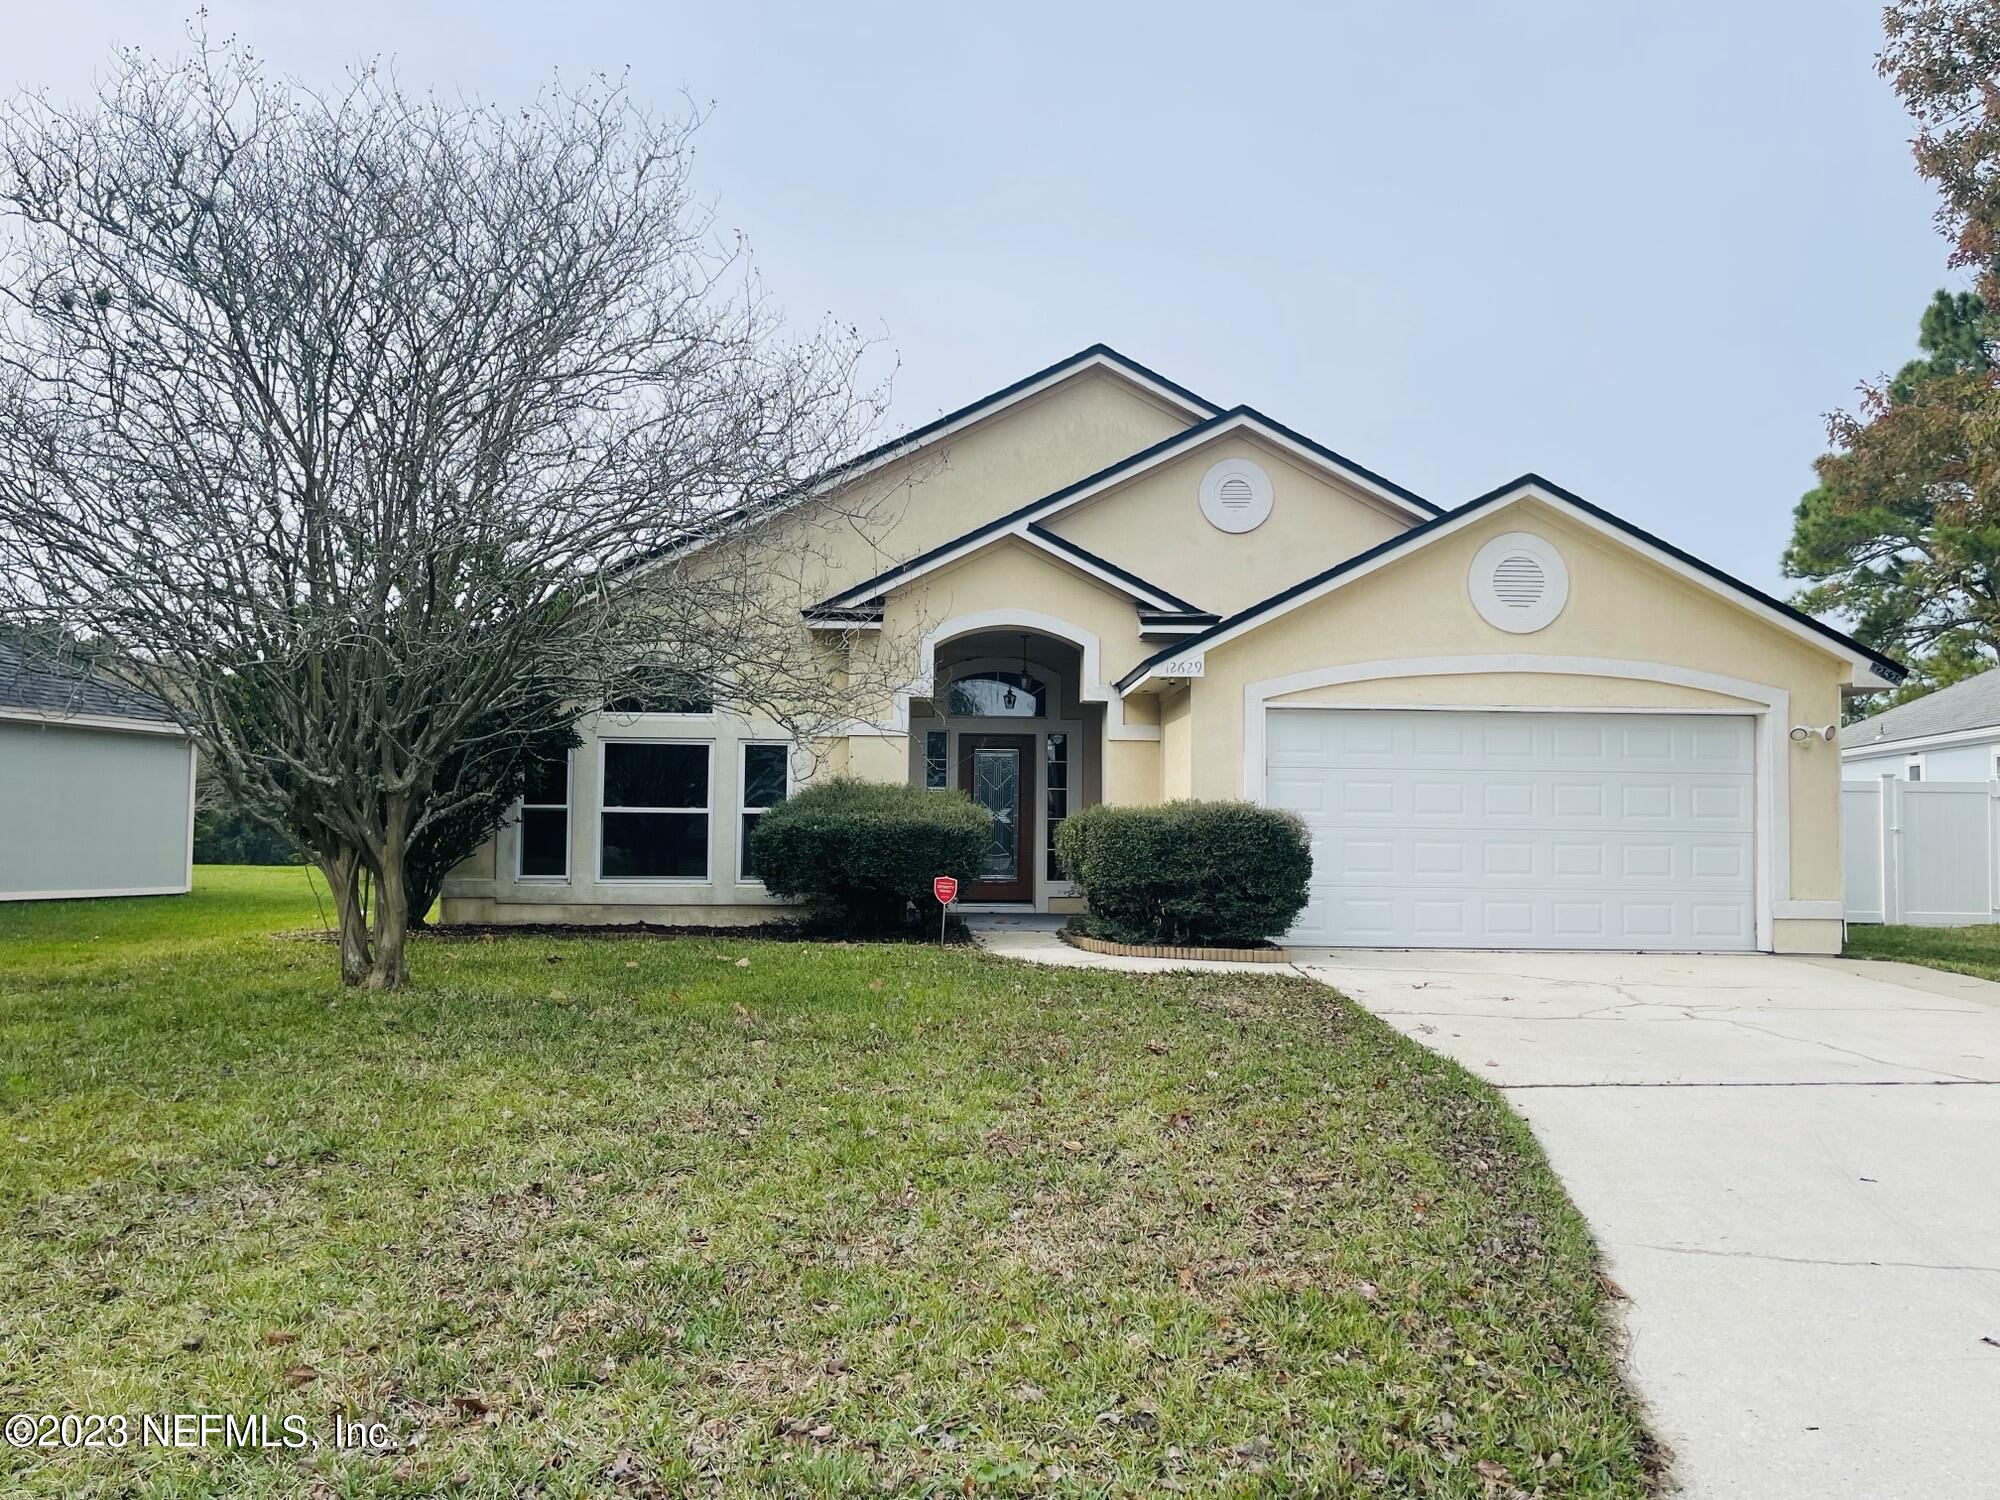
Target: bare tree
(346, 419)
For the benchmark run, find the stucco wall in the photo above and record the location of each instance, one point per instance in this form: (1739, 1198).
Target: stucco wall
(92, 811)
(949, 488)
(1176, 745)
(1154, 527)
(1620, 606)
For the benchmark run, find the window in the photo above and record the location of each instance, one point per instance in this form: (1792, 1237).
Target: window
(647, 702)
(543, 837)
(1057, 766)
(937, 760)
(654, 811)
(1996, 763)
(1913, 768)
(997, 695)
(764, 776)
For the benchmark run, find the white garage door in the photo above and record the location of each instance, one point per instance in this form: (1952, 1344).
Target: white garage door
(1449, 829)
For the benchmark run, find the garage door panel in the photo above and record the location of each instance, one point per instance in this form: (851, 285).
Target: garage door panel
(1608, 831)
(1431, 857)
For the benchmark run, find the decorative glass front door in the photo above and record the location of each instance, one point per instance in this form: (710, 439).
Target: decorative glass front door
(998, 771)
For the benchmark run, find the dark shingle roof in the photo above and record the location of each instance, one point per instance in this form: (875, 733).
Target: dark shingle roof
(42, 686)
(1971, 704)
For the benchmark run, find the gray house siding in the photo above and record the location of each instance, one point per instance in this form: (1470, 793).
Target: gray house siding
(93, 812)
(1963, 762)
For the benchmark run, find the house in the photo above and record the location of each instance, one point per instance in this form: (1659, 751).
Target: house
(96, 787)
(1518, 723)
(1950, 735)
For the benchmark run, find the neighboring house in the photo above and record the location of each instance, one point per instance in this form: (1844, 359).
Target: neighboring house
(96, 787)
(1950, 735)
(1522, 723)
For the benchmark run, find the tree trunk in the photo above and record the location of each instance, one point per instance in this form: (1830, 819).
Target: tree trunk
(390, 969)
(343, 878)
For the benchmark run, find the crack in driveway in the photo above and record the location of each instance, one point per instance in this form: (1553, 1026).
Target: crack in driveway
(1809, 1260)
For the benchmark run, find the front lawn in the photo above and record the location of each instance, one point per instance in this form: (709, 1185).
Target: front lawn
(1962, 950)
(645, 1217)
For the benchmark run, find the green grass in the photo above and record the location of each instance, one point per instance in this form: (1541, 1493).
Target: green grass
(1962, 950)
(651, 1217)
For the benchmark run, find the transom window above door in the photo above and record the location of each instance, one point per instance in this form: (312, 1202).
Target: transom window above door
(997, 695)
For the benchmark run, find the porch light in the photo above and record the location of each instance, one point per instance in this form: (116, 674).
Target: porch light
(1009, 698)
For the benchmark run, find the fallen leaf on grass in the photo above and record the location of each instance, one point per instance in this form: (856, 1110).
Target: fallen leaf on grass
(277, 1338)
(742, 963)
(299, 1375)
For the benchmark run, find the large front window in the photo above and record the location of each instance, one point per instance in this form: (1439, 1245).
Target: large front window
(654, 814)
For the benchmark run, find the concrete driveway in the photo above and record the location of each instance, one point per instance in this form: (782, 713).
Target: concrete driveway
(1793, 1167)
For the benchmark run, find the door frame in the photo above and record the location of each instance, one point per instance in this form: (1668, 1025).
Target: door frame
(1028, 745)
(954, 730)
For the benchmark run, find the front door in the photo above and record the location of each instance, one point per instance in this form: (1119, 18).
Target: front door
(999, 772)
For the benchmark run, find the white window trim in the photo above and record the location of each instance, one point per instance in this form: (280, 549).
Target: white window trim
(743, 808)
(568, 807)
(1913, 763)
(707, 877)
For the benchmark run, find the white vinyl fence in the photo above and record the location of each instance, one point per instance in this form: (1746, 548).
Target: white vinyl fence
(1922, 852)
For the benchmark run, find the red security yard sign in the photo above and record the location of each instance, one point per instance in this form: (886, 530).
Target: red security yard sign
(945, 888)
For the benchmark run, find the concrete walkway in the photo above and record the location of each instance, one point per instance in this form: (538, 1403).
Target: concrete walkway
(1793, 1168)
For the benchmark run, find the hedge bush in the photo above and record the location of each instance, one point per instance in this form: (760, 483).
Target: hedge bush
(1204, 874)
(859, 853)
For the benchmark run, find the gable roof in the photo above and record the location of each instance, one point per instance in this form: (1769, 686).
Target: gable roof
(1096, 357)
(1968, 705)
(1529, 486)
(1022, 521)
(1153, 601)
(39, 688)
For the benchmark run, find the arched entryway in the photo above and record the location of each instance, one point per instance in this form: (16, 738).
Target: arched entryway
(1006, 724)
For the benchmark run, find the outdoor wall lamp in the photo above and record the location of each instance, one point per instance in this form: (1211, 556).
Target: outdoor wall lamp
(1804, 732)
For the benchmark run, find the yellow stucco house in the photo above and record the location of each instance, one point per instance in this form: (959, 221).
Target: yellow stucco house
(1519, 723)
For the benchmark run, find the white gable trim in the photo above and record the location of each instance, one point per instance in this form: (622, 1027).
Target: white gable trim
(1171, 451)
(1865, 670)
(1091, 686)
(1770, 706)
(93, 721)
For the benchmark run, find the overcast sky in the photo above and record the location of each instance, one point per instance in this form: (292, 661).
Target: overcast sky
(1639, 249)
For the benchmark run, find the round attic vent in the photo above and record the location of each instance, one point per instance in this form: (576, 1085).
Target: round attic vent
(1518, 582)
(1236, 495)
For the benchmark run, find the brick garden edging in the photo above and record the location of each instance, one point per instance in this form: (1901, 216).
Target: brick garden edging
(1090, 944)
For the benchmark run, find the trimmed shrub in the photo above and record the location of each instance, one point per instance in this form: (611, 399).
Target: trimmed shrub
(860, 853)
(1201, 874)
